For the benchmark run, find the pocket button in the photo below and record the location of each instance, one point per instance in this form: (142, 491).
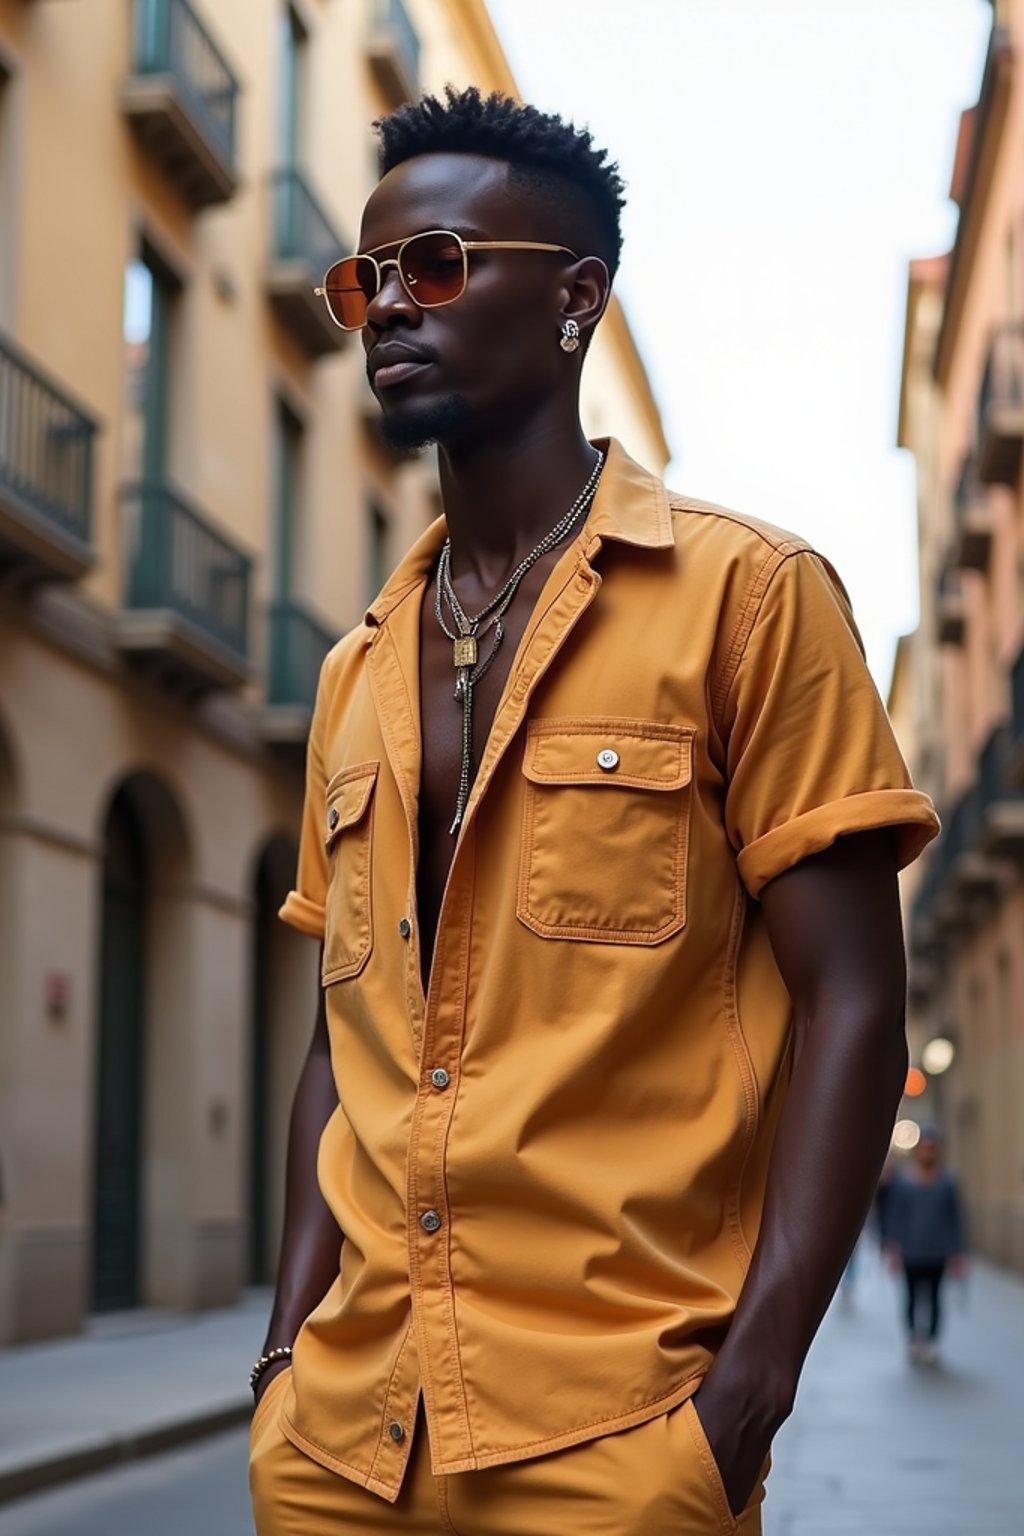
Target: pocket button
(332, 817)
(607, 759)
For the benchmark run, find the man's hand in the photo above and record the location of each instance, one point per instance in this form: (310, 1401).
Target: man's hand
(739, 1447)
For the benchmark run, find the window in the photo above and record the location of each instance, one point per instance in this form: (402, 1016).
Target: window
(294, 52)
(149, 294)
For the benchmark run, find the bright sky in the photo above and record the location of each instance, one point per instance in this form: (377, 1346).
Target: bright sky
(785, 159)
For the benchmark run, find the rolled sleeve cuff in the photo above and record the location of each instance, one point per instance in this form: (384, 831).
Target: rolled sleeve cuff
(910, 814)
(301, 913)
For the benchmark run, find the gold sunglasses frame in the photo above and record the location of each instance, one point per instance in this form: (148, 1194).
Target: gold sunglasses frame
(465, 247)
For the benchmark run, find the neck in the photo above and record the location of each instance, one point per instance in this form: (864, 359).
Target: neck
(502, 497)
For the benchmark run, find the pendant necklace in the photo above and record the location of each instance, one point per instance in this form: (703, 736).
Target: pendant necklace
(470, 629)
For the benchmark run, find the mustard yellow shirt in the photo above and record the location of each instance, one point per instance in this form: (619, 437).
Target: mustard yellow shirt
(550, 1171)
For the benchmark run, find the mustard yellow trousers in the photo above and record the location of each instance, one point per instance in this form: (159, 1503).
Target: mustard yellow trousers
(658, 1479)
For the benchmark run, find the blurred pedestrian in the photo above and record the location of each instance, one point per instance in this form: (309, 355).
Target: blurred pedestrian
(924, 1229)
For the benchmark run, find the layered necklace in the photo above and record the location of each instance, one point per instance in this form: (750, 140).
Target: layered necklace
(470, 629)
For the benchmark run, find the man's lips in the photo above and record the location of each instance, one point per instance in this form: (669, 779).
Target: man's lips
(389, 365)
(389, 374)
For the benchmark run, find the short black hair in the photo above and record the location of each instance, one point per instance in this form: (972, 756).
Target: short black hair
(554, 162)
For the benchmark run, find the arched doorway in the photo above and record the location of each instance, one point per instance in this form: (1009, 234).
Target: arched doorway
(117, 1186)
(283, 981)
(141, 1167)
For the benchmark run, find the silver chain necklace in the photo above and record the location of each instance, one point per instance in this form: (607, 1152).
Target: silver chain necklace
(470, 628)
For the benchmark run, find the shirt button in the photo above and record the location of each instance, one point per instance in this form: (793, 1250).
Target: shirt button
(439, 1077)
(607, 759)
(396, 1431)
(405, 927)
(430, 1221)
(332, 817)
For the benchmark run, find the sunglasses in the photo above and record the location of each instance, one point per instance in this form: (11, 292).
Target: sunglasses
(432, 267)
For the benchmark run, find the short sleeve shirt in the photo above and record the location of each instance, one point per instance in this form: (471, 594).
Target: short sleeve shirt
(550, 1170)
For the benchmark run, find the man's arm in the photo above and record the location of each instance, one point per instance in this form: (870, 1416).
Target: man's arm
(311, 1240)
(834, 924)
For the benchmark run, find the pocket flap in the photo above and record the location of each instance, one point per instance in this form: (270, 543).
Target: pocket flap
(635, 754)
(348, 795)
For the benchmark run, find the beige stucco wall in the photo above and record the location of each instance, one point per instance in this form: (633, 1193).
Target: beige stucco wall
(960, 693)
(79, 197)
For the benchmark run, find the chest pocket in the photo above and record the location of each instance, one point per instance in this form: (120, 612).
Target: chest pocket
(605, 829)
(348, 838)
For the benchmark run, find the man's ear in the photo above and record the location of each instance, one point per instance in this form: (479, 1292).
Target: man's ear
(585, 295)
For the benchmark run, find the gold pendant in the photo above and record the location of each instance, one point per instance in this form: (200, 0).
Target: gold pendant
(465, 651)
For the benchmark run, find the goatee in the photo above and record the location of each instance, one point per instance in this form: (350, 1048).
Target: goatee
(446, 419)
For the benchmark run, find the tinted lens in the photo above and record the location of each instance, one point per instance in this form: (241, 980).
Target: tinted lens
(434, 268)
(350, 285)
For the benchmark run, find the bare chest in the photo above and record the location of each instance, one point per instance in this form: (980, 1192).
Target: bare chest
(441, 730)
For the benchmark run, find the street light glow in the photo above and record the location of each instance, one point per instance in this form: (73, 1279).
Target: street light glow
(906, 1135)
(937, 1056)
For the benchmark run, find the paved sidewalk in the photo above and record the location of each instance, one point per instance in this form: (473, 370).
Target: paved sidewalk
(134, 1383)
(878, 1447)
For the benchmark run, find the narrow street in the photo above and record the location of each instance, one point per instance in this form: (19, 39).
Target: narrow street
(876, 1448)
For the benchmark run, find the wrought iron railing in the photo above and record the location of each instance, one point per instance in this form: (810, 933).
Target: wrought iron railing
(301, 229)
(179, 561)
(994, 778)
(1002, 383)
(393, 15)
(171, 39)
(46, 445)
(297, 645)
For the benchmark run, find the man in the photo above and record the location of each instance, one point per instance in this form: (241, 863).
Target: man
(925, 1238)
(601, 836)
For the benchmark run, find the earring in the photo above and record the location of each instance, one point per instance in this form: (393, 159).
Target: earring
(570, 338)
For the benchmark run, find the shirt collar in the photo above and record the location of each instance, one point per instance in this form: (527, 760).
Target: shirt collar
(631, 507)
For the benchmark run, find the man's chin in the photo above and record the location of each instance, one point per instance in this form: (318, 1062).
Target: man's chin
(414, 426)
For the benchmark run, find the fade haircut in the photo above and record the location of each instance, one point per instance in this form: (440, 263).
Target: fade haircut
(553, 162)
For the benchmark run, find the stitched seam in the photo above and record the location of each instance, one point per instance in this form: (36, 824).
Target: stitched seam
(361, 1475)
(608, 1418)
(442, 1169)
(353, 965)
(387, 1396)
(741, 1054)
(709, 1467)
(759, 585)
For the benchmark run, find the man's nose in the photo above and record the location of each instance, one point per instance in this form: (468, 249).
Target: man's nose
(392, 303)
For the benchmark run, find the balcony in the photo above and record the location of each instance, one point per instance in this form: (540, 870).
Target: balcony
(962, 877)
(181, 99)
(1002, 802)
(950, 608)
(186, 613)
(394, 52)
(973, 521)
(1001, 407)
(46, 475)
(296, 647)
(304, 244)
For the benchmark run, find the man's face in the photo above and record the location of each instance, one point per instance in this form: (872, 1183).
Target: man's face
(927, 1152)
(488, 361)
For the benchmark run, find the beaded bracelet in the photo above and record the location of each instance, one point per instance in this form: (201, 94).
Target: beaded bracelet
(282, 1352)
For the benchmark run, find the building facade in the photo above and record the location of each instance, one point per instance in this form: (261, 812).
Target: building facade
(960, 695)
(194, 503)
